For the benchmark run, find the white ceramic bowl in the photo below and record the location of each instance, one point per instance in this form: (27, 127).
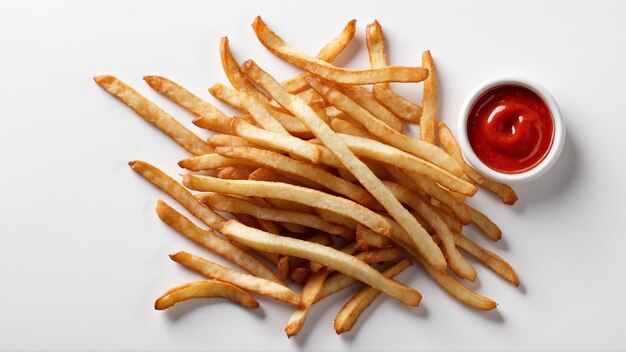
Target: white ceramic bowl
(557, 143)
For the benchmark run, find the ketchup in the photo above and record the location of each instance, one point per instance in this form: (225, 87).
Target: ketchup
(510, 128)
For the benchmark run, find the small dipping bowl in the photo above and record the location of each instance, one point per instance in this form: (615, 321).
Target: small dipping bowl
(558, 138)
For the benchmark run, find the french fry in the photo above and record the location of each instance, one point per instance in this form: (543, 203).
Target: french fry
(301, 169)
(292, 193)
(150, 112)
(234, 75)
(328, 53)
(221, 202)
(210, 162)
(312, 287)
(326, 256)
(365, 176)
(369, 103)
(381, 130)
(213, 242)
(219, 124)
(347, 127)
(427, 121)
(505, 192)
(283, 267)
(456, 261)
(175, 190)
(300, 275)
(249, 282)
(340, 75)
(227, 140)
(488, 227)
(251, 104)
(399, 106)
(234, 173)
(453, 223)
(351, 310)
(205, 289)
(491, 260)
(278, 141)
(376, 47)
(425, 185)
(365, 238)
(375, 150)
(183, 97)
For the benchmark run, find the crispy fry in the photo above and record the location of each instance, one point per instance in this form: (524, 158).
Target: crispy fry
(205, 289)
(350, 161)
(312, 287)
(376, 47)
(150, 112)
(183, 97)
(233, 73)
(367, 101)
(234, 173)
(365, 76)
(372, 149)
(249, 282)
(491, 260)
(365, 238)
(300, 275)
(427, 121)
(347, 127)
(326, 256)
(210, 162)
(221, 202)
(452, 222)
(213, 242)
(488, 227)
(227, 140)
(351, 310)
(505, 192)
(278, 141)
(283, 267)
(328, 53)
(303, 170)
(381, 130)
(219, 124)
(399, 106)
(292, 193)
(178, 192)
(456, 261)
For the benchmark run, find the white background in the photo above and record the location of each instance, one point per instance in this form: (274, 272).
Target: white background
(83, 255)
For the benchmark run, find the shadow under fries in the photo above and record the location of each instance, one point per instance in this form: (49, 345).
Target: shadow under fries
(349, 52)
(557, 180)
(181, 309)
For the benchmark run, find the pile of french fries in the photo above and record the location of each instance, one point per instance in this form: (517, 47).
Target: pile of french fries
(322, 187)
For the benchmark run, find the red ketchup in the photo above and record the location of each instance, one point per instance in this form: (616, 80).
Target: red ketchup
(510, 128)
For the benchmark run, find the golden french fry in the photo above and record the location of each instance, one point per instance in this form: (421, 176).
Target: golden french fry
(292, 193)
(234, 173)
(399, 106)
(227, 140)
(219, 124)
(427, 121)
(488, 227)
(178, 192)
(365, 176)
(213, 242)
(367, 101)
(312, 287)
(301, 169)
(365, 238)
(300, 275)
(319, 67)
(278, 141)
(211, 161)
(505, 192)
(456, 261)
(424, 185)
(234, 75)
(283, 267)
(351, 310)
(347, 127)
(249, 282)
(150, 112)
(491, 260)
(452, 222)
(375, 150)
(205, 289)
(381, 130)
(376, 47)
(328, 53)
(221, 202)
(184, 98)
(326, 256)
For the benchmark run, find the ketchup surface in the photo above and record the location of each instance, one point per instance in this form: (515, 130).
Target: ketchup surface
(510, 128)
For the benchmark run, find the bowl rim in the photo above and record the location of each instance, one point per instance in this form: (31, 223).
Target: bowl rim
(557, 143)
